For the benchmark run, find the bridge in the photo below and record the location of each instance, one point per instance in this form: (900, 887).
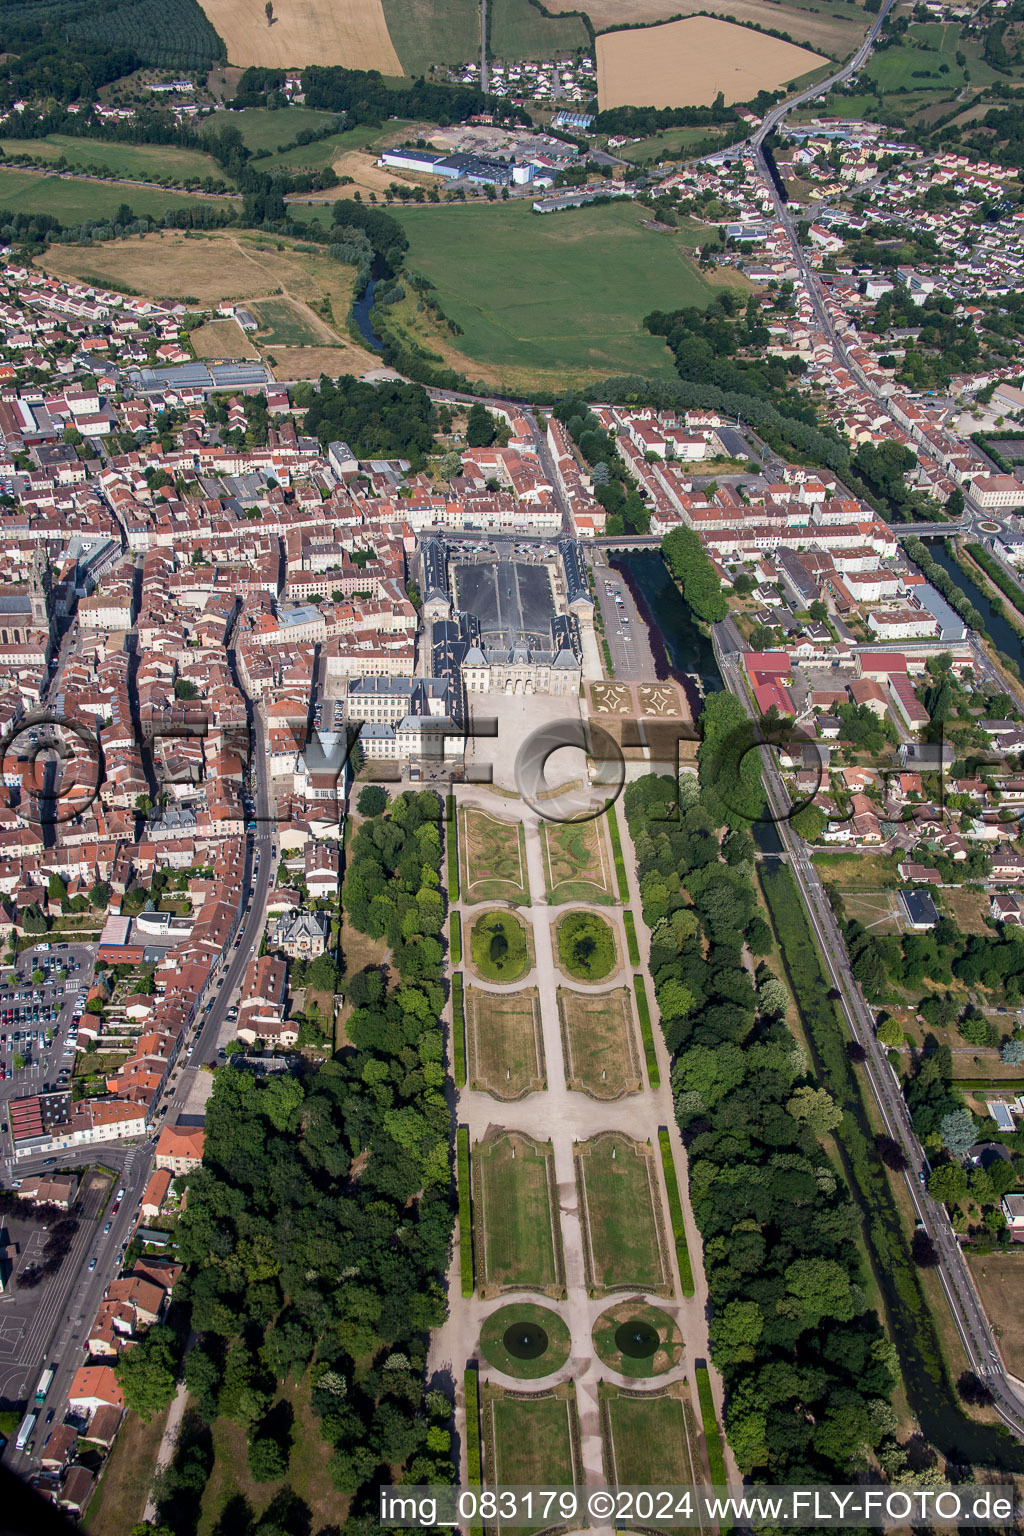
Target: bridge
(954, 526)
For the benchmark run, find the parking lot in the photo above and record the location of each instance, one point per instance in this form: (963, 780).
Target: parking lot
(39, 1021)
(624, 629)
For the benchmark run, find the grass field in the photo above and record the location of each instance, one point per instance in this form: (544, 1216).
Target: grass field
(72, 200)
(969, 909)
(687, 63)
(558, 299)
(519, 30)
(324, 152)
(877, 910)
(530, 1439)
(506, 1054)
(648, 1440)
(576, 862)
(493, 855)
(917, 63)
(263, 129)
(500, 948)
(307, 1473)
(349, 32)
(670, 144)
(221, 338)
(285, 324)
(120, 1497)
(858, 871)
(831, 26)
(517, 1240)
(134, 161)
(599, 1043)
(620, 1200)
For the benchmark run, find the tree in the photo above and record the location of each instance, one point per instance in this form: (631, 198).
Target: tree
(948, 1184)
(147, 1372)
(267, 1461)
(18, 1061)
(926, 1255)
(818, 611)
(269, 9)
(481, 428)
(143, 804)
(56, 889)
(373, 800)
(37, 978)
(958, 1132)
(890, 1033)
(816, 1108)
(1012, 1052)
(772, 997)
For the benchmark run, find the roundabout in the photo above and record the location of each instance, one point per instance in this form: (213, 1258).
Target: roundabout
(636, 1339)
(525, 1341)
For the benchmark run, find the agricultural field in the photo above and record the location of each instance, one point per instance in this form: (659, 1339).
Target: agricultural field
(500, 948)
(577, 864)
(506, 1052)
(998, 1278)
(830, 26)
(620, 1205)
(687, 63)
(492, 855)
(221, 338)
(531, 1440)
(72, 199)
(349, 32)
(516, 1237)
(587, 947)
(147, 162)
(165, 33)
(519, 30)
(552, 300)
(648, 1440)
(599, 1043)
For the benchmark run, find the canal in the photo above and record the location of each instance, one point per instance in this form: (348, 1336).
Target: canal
(1001, 632)
(686, 649)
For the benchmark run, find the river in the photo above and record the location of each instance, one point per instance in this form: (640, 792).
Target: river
(361, 315)
(1002, 633)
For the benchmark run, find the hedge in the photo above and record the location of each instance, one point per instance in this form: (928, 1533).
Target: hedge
(675, 1207)
(709, 1422)
(465, 1212)
(620, 863)
(631, 943)
(458, 1033)
(452, 844)
(994, 571)
(455, 939)
(646, 1032)
(474, 1462)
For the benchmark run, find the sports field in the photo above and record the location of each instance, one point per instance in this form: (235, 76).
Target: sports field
(516, 1238)
(506, 1053)
(599, 1043)
(619, 1199)
(150, 162)
(349, 32)
(687, 63)
(530, 1439)
(577, 862)
(648, 1439)
(547, 299)
(492, 852)
(73, 200)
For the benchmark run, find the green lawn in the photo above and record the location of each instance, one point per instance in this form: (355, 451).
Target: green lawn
(555, 296)
(649, 1441)
(917, 64)
(262, 129)
(315, 156)
(619, 1185)
(531, 1441)
(499, 947)
(513, 1215)
(669, 144)
(73, 201)
(130, 160)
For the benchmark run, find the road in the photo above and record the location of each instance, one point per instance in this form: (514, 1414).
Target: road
(49, 1325)
(953, 1272)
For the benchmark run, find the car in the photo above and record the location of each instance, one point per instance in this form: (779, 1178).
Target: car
(92, 1264)
(106, 1229)
(49, 1416)
(120, 1194)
